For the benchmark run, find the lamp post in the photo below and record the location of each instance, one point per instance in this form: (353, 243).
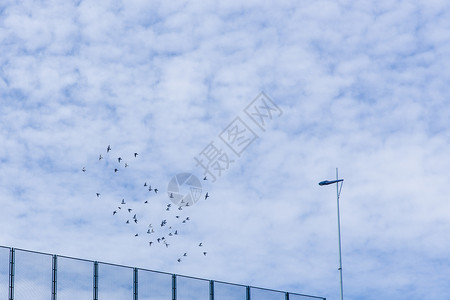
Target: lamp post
(338, 192)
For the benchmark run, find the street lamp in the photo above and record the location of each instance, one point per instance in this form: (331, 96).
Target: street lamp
(338, 192)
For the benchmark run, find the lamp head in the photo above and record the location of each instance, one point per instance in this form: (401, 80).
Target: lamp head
(327, 182)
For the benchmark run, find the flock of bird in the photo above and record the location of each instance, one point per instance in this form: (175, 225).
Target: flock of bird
(166, 229)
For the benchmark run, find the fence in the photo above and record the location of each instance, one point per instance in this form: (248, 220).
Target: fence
(30, 275)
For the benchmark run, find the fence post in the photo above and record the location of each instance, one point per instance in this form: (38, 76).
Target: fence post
(95, 280)
(287, 295)
(174, 287)
(135, 284)
(54, 274)
(211, 290)
(248, 293)
(11, 273)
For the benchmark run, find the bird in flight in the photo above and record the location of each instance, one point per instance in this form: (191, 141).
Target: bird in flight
(171, 196)
(126, 165)
(98, 194)
(114, 212)
(206, 195)
(204, 178)
(150, 243)
(135, 154)
(200, 245)
(136, 234)
(185, 254)
(145, 183)
(84, 169)
(100, 157)
(123, 201)
(204, 253)
(109, 148)
(115, 170)
(130, 209)
(156, 191)
(119, 159)
(179, 260)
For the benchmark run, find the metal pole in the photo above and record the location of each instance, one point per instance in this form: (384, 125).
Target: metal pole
(339, 235)
(95, 280)
(11, 273)
(174, 287)
(135, 284)
(54, 274)
(211, 290)
(248, 293)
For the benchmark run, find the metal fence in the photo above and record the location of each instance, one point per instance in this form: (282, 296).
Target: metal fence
(31, 275)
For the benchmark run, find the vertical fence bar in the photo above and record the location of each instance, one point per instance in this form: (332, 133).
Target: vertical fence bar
(174, 287)
(54, 274)
(135, 284)
(287, 296)
(11, 273)
(248, 293)
(211, 290)
(95, 280)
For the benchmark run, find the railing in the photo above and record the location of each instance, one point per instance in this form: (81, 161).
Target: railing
(26, 275)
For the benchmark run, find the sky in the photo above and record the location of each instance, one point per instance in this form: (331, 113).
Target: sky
(281, 92)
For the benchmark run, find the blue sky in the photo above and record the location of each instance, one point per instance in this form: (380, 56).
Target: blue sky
(362, 86)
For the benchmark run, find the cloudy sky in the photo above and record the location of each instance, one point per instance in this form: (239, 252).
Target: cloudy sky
(357, 85)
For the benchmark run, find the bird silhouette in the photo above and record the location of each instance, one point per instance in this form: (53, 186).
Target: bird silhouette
(109, 148)
(119, 159)
(206, 195)
(135, 154)
(136, 234)
(128, 222)
(179, 260)
(156, 191)
(100, 157)
(126, 165)
(98, 194)
(200, 245)
(171, 196)
(204, 253)
(145, 183)
(130, 209)
(114, 212)
(150, 243)
(185, 254)
(84, 169)
(123, 201)
(115, 170)
(204, 178)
